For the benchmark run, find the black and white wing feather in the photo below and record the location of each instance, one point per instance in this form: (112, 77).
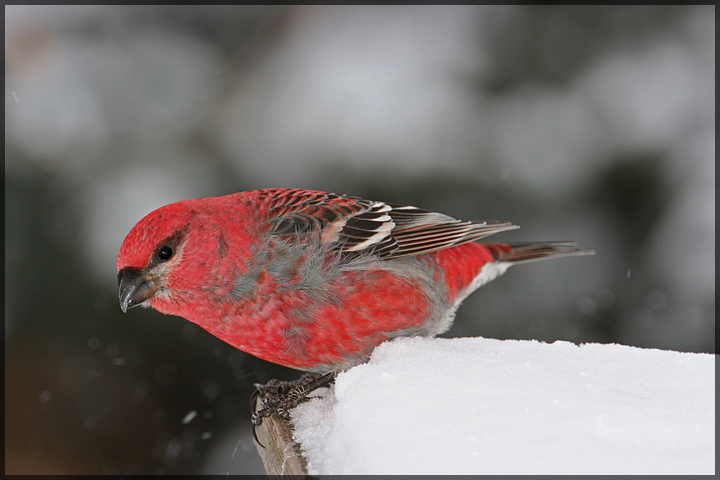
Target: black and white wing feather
(358, 226)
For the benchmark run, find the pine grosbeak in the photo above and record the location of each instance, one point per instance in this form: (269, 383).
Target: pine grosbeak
(312, 280)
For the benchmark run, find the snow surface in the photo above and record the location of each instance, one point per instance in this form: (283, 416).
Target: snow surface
(483, 406)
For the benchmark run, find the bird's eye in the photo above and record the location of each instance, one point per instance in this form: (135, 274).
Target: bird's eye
(165, 253)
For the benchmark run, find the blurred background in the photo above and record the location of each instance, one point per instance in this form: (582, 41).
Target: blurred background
(593, 124)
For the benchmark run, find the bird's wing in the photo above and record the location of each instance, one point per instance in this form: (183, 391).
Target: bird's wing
(359, 226)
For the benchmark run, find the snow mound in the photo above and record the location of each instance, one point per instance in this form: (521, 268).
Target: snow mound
(483, 406)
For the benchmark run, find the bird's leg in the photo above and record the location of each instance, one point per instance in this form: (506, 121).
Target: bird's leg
(279, 397)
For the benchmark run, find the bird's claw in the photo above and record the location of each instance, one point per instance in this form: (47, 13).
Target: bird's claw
(279, 397)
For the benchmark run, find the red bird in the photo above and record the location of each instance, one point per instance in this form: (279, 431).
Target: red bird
(312, 280)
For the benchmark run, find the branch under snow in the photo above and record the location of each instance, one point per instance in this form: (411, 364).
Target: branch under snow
(483, 406)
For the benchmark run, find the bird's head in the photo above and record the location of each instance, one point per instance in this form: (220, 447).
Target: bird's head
(151, 253)
(184, 252)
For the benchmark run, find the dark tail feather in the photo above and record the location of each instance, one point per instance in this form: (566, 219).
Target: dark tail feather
(530, 252)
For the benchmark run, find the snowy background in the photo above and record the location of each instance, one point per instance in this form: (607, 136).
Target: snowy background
(593, 124)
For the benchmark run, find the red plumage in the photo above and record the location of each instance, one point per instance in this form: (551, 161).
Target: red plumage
(308, 279)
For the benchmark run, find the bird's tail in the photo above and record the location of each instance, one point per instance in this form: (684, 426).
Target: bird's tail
(530, 252)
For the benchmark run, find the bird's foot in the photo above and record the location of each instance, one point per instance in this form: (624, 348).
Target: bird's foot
(280, 396)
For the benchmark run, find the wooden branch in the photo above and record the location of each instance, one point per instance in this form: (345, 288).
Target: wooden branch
(281, 455)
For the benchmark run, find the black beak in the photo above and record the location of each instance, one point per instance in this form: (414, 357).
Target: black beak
(134, 288)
